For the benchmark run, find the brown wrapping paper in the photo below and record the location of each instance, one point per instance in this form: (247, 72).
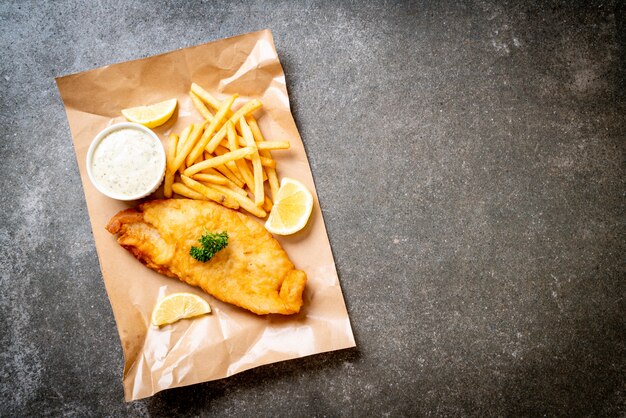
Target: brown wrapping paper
(229, 340)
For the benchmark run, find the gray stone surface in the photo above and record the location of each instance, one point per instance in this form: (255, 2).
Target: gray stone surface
(470, 164)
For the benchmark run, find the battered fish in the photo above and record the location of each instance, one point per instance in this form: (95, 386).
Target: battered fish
(252, 272)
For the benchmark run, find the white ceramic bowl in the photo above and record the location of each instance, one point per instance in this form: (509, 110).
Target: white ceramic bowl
(160, 168)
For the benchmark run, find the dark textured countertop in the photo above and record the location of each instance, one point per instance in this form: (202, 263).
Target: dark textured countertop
(470, 165)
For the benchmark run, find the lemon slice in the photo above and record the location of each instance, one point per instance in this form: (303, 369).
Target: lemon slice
(292, 208)
(178, 306)
(153, 115)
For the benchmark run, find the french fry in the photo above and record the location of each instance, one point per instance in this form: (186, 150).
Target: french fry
(237, 167)
(217, 138)
(169, 161)
(210, 192)
(272, 145)
(241, 141)
(267, 162)
(212, 170)
(232, 136)
(237, 189)
(199, 159)
(267, 205)
(251, 168)
(218, 174)
(244, 201)
(225, 176)
(208, 98)
(200, 107)
(193, 137)
(243, 167)
(219, 160)
(230, 186)
(272, 177)
(230, 164)
(229, 175)
(184, 135)
(205, 96)
(244, 110)
(206, 137)
(181, 189)
(188, 145)
(259, 192)
(265, 145)
(211, 178)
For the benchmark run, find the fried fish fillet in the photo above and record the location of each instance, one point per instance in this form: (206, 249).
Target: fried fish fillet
(252, 272)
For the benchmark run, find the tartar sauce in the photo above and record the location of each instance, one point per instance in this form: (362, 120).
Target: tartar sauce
(126, 162)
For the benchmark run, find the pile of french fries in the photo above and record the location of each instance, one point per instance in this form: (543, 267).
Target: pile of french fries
(224, 158)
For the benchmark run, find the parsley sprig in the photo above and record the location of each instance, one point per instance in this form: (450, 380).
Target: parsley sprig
(211, 244)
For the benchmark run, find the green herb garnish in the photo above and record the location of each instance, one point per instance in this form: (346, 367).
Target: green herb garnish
(211, 244)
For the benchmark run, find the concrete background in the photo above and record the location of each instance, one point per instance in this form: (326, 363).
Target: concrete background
(469, 158)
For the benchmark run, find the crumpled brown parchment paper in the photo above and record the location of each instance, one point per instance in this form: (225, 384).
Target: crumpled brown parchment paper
(230, 339)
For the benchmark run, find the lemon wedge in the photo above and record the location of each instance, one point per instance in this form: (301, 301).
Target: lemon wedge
(178, 306)
(153, 115)
(292, 208)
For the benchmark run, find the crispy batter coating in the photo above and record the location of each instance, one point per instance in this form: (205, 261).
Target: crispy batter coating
(252, 272)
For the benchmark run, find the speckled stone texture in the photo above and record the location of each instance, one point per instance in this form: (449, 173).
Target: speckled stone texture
(470, 163)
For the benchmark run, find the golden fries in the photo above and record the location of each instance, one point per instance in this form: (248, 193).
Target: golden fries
(267, 162)
(210, 192)
(205, 95)
(181, 189)
(224, 157)
(219, 160)
(271, 171)
(249, 107)
(206, 137)
(259, 192)
(272, 145)
(241, 165)
(229, 175)
(188, 145)
(200, 107)
(181, 141)
(211, 178)
(267, 205)
(244, 201)
(169, 173)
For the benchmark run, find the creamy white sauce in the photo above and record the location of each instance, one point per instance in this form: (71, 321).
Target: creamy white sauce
(127, 162)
